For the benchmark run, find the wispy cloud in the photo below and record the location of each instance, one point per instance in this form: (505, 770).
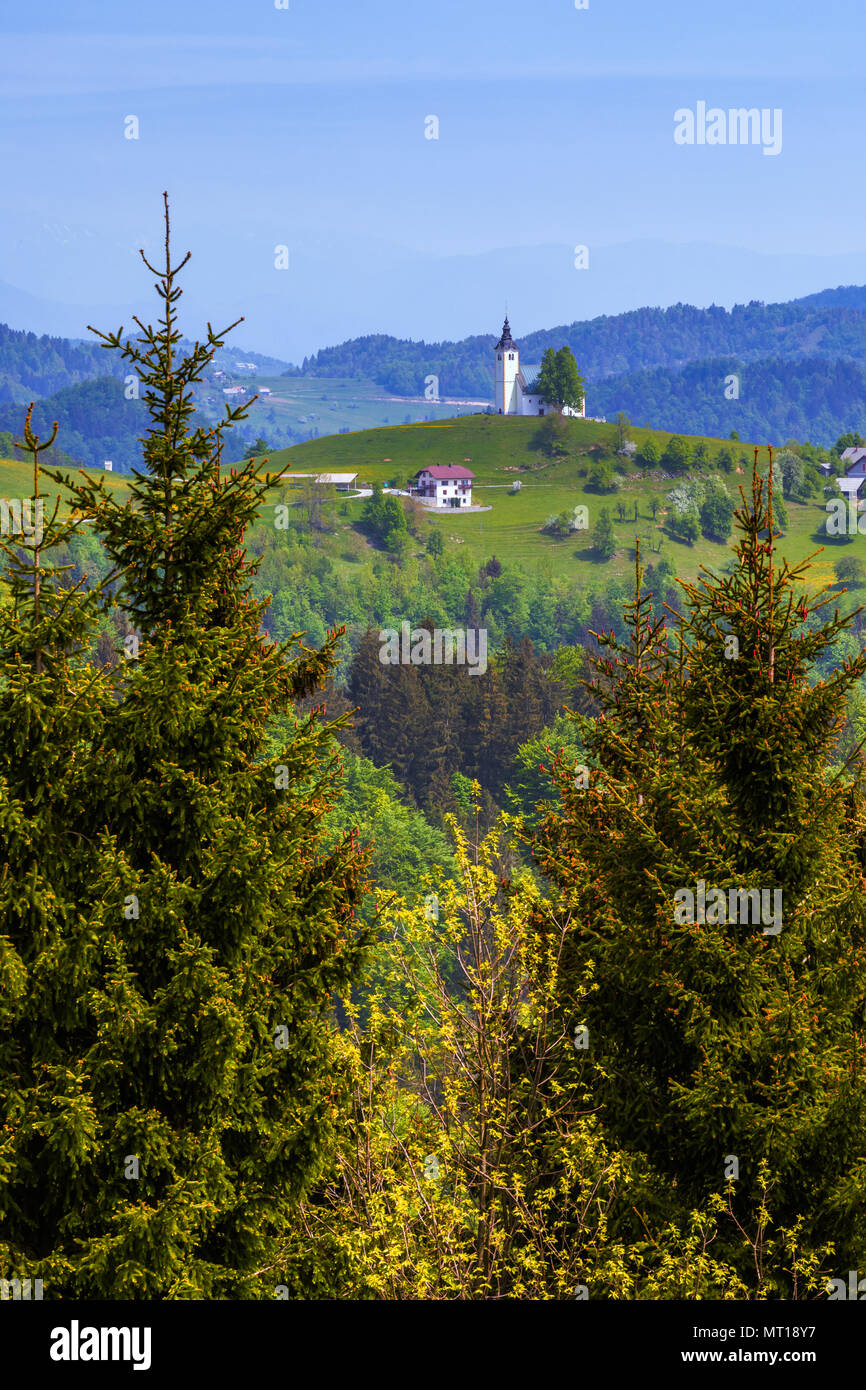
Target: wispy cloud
(37, 65)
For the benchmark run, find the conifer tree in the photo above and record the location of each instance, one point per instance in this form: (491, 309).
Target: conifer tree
(726, 1048)
(53, 852)
(182, 1017)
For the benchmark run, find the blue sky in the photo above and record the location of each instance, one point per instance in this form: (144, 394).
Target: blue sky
(305, 127)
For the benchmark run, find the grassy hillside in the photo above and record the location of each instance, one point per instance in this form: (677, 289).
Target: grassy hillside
(16, 480)
(499, 450)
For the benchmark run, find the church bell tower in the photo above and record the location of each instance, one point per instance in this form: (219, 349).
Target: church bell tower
(506, 368)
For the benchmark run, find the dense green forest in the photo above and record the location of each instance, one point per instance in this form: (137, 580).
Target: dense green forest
(326, 977)
(813, 398)
(432, 726)
(38, 365)
(96, 423)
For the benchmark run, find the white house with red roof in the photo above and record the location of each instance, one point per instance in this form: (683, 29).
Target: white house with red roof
(444, 485)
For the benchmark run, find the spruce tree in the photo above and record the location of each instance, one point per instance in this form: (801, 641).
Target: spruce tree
(182, 1015)
(726, 1048)
(53, 855)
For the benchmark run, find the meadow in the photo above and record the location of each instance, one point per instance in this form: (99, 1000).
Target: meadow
(500, 451)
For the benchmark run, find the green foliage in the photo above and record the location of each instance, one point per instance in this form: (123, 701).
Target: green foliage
(603, 535)
(811, 397)
(530, 783)
(677, 455)
(386, 519)
(428, 722)
(717, 511)
(715, 1038)
(174, 920)
(473, 1165)
(852, 439)
(623, 425)
(649, 453)
(403, 847)
(96, 422)
(435, 544)
(552, 435)
(559, 381)
(850, 570)
(686, 526)
(601, 478)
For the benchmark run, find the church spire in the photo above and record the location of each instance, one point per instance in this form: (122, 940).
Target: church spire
(506, 341)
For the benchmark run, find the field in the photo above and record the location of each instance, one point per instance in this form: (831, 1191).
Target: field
(498, 451)
(305, 404)
(16, 480)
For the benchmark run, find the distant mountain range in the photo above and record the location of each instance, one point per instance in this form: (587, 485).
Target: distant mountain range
(344, 283)
(831, 324)
(800, 370)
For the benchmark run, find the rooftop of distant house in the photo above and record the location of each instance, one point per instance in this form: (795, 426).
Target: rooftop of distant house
(446, 472)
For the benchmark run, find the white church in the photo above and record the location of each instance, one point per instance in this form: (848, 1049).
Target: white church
(514, 394)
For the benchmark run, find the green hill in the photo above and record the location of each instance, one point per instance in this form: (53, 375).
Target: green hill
(501, 450)
(16, 480)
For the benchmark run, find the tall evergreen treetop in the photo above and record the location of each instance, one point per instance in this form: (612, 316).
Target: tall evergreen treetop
(719, 1033)
(181, 1013)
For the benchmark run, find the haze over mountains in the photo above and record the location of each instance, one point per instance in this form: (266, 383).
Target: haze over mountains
(59, 278)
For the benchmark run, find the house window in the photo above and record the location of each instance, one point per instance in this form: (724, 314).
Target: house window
(511, 356)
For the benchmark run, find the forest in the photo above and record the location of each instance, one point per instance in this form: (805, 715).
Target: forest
(828, 326)
(328, 979)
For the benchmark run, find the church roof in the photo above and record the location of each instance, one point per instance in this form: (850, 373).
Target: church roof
(506, 341)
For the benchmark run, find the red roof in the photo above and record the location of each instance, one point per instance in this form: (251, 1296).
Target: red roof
(446, 471)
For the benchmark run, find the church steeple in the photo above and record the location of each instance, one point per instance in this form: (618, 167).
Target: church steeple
(506, 341)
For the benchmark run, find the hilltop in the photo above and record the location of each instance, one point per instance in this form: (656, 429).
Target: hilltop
(500, 450)
(801, 368)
